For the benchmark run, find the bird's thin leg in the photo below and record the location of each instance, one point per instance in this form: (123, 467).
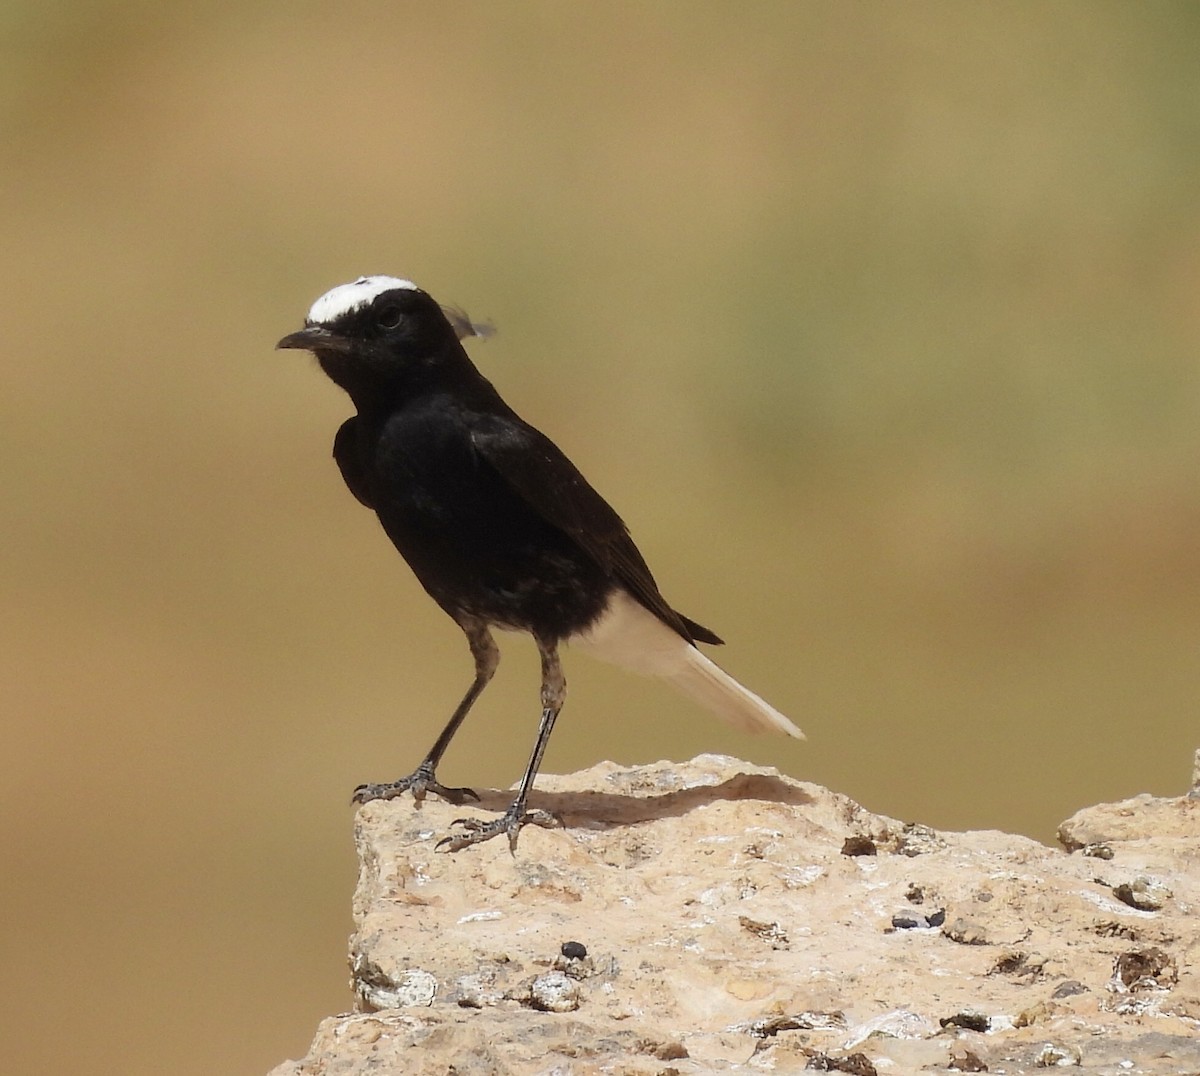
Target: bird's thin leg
(422, 779)
(554, 691)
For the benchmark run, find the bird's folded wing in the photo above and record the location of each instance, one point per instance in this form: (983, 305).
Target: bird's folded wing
(536, 468)
(347, 451)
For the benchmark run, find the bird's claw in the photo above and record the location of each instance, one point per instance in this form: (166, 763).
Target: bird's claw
(418, 783)
(476, 830)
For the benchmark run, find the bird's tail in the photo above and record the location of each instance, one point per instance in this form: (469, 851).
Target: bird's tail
(629, 635)
(714, 689)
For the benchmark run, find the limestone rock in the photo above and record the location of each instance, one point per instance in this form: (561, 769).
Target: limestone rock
(707, 917)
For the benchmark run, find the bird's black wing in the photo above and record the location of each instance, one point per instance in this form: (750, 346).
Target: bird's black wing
(348, 452)
(536, 468)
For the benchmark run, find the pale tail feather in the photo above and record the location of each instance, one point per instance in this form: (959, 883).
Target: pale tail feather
(716, 690)
(629, 635)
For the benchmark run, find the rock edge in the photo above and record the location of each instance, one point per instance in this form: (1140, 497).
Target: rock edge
(715, 916)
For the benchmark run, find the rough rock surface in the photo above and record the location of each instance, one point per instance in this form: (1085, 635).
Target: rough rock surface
(713, 916)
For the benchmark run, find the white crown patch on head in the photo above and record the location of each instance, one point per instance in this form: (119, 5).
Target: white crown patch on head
(346, 298)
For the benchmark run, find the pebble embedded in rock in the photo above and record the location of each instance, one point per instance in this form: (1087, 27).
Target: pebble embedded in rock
(576, 966)
(964, 1060)
(913, 920)
(857, 1064)
(859, 846)
(917, 840)
(474, 992)
(968, 1020)
(1052, 1056)
(769, 1026)
(1141, 969)
(1035, 1014)
(1143, 893)
(554, 992)
(966, 932)
(413, 987)
(668, 1051)
(769, 932)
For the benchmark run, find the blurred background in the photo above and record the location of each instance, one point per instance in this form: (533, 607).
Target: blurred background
(879, 324)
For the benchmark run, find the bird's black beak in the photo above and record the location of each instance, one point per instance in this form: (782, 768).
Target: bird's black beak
(314, 338)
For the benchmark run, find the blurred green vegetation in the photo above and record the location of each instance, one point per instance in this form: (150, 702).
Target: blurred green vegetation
(878, 323)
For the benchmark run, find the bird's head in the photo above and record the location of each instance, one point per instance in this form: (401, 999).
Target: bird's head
(378, 332)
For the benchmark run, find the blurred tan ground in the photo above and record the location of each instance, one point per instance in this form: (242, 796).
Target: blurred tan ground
(879, 324)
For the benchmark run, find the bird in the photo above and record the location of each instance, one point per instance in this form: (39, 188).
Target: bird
(499, 527)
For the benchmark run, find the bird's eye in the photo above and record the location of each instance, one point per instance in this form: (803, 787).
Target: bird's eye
(389, 317)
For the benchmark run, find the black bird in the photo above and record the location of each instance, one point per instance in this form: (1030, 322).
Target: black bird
(497, 524)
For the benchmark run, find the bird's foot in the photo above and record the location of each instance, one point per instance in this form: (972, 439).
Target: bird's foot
(418, 783)
(476, 830)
